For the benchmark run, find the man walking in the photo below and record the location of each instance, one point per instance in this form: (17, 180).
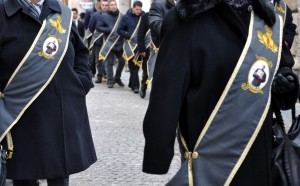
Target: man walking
(43, 85)
(144, 51)
(77, 22)
(157, 12)
(97, 41)
(113, 43)
(128, 29)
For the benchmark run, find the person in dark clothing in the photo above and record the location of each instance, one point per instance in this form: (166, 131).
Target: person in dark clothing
(82, 16)
(88, 34)
(78, 23)
(289, 32)
(144, 51)
(108, 25)
(157, 12)
(289, 26)
(128, 29)
(97, 42)
(88, 14)
(52, 137)
(204, 44)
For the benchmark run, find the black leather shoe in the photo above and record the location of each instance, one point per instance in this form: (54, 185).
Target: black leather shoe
(110, 85)
(98, 80)
(136, 91)
(142, 94)
(119, 82)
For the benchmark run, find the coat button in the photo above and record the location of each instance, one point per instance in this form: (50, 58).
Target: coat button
(1, 95)
(187, 155)
(195, 155)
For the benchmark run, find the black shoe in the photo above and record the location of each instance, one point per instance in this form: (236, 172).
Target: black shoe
(110, 85)
(98, 80)
(136, 91)
(119, 82)
(142, 94)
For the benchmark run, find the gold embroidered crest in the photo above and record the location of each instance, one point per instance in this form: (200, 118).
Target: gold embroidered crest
(280, 8)
(266, 39)
(258, 75)
(57, 24)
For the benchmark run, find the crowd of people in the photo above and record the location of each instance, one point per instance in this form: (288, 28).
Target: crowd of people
(220, 68)
(116, 39)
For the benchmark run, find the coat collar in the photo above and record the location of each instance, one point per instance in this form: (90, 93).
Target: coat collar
(13, 6)
(187, 9)
(170, 3)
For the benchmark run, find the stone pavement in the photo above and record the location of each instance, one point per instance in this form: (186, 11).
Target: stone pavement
(116, 117)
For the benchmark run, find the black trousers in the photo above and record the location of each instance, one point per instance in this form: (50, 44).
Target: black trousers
(100, 65)
(92, 62)
(145, 70)
(134, 82)
(50, 182)
(110, 63)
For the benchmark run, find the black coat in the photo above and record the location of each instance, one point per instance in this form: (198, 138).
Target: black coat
(80, 28)
(106, 25)
(87, 17)
(53, 138)
(128, 24)
(95, 18)
(143, 29)
(289, 26)
(196, 59)
(157, 12)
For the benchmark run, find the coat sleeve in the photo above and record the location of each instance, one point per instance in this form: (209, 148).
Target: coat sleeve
(102, 27)
(156, 17)
(81, 65)
(87, 19)
(81, 29)
(287, 99)
(170, 84)
(142, 33)
(122, 29)
(289, 28)
(92, 23)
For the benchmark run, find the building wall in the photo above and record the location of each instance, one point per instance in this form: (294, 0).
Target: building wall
(295, 7)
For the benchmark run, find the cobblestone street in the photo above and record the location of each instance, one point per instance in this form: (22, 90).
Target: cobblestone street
(116, 117)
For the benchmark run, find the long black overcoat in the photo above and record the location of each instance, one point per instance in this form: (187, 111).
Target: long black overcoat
(196, 59)
(53, 138)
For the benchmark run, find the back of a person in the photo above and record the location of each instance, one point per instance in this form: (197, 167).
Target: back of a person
(48, 121)
(201, 47)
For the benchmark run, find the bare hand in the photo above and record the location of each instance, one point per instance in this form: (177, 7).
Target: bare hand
(143, 54)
